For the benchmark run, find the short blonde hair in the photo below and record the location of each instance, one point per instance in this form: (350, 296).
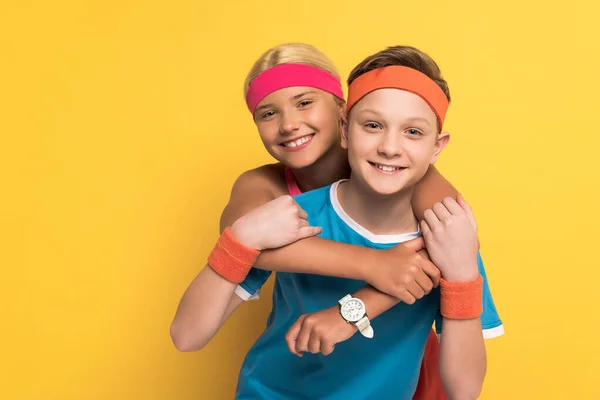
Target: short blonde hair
(290, 53)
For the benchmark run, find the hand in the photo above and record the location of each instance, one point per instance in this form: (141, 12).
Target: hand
(319, 332)
(274, 224)
(403, 272)
(450, 234)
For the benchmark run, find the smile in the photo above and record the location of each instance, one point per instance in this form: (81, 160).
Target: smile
(297, 144)
(387, 169)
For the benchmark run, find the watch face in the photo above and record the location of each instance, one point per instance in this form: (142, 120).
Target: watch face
(353, 310)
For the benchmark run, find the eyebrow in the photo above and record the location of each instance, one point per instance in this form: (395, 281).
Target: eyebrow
(296, 97)
(368, 110)
(259, 108)
(419, 119)
(409, 120)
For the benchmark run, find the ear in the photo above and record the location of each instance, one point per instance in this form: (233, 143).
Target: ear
(344, 128)
(440, 144)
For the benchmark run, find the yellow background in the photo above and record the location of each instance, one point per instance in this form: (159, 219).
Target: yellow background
(123, 127)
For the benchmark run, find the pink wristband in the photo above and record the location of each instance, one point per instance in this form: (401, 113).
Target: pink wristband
(231, 259)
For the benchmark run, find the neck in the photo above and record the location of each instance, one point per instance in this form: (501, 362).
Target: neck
(330, 168)
(379, 214)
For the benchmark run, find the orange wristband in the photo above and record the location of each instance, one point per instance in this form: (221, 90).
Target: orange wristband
(231, 259)
(461, 300)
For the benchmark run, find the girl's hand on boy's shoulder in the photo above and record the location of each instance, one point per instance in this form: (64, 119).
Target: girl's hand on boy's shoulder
(275, 224)
(319, 332)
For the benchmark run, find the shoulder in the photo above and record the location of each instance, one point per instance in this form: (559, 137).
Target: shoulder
(314, 200)
(268, 177)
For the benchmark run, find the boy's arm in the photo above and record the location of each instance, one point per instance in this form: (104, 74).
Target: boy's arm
(431, 189)
(462, 354)
(450, 233)
(463, 360)
(320, 331)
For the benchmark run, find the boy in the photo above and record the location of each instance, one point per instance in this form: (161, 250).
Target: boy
(396, 108)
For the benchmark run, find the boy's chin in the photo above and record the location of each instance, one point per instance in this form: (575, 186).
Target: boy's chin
(387, 189)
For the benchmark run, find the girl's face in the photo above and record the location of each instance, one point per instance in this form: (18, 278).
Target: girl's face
(298, 125)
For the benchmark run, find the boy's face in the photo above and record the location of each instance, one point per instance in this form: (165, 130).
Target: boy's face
(391, 137)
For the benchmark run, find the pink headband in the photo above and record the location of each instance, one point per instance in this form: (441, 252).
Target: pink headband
(289, 75)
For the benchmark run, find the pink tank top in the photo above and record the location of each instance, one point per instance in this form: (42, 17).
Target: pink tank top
(292, 185)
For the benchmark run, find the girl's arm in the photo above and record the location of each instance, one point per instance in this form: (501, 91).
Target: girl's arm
(206, 304)
(320, 256)
(431, 189)
(209, 300)
(202, 312)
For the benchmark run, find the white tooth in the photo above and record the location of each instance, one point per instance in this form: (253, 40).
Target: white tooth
(386, 168)
(297, 142)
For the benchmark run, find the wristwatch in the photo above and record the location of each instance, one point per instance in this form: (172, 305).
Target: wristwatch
(353, 311)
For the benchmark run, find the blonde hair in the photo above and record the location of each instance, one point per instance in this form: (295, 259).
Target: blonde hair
(290, 53)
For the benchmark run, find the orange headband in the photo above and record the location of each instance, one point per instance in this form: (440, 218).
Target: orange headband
(403, 78)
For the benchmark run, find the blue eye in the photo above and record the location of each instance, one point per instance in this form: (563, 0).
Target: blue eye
(268, 114)
(414, 132)
(304, 103)
(372, 125)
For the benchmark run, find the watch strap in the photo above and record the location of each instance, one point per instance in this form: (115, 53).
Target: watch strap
(344, 299)
(364, 327)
